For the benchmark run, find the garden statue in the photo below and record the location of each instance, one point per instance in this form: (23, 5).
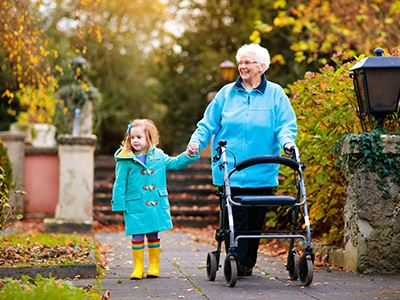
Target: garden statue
(77, 93)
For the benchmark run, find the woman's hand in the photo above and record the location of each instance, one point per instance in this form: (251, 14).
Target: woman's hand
(288, 148)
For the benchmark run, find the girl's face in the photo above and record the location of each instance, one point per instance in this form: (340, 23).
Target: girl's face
(138, 140)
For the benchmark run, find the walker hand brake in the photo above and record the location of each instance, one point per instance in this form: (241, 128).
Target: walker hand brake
(295, 153)
(217, 157)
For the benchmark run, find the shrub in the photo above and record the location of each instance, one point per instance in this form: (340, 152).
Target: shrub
(5, 183)
(326, 107)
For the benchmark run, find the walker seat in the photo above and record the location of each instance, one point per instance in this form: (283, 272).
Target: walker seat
(264, 200)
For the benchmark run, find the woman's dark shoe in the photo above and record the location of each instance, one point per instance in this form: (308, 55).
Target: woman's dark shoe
(244, 271)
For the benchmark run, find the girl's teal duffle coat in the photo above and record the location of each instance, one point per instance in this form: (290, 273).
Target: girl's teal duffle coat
(140, 190)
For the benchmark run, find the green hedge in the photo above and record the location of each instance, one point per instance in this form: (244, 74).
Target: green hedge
(5, 184)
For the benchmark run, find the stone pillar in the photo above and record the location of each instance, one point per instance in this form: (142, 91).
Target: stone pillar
(74, 211)
(372, 223)
(15, 143)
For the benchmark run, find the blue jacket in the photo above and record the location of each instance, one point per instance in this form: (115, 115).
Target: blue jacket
(253, 123)
(140, 191)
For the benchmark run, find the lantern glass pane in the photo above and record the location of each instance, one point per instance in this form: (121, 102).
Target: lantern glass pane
(383, 89)
(227, 74)
(360, 91)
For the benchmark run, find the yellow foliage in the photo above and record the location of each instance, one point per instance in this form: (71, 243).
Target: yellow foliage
(280, 4)
(8, 94)
(321, 27)
(28, 57)
(255, 37)
(279, 59)
(40, 104)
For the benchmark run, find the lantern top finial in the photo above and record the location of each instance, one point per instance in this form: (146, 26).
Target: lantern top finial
(378, 51)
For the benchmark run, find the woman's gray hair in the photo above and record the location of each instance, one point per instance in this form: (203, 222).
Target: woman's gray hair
(261, 54)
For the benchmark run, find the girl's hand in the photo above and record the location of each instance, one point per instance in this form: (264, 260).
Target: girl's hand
(191, 149)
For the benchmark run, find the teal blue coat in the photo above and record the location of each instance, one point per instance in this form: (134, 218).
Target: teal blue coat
(140, 191)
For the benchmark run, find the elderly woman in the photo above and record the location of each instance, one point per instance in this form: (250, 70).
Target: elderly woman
(255, 117)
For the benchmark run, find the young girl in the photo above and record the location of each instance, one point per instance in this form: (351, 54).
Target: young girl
(140, 191)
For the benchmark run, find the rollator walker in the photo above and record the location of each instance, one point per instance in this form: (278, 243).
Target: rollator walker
(301, 269)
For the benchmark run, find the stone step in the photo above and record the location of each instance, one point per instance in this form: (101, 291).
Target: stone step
(174, 184)
(178, 221)
(183, 211)
(184, 217)
(174, 201)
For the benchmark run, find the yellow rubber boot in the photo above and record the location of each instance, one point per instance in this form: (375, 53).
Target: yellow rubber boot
(154, 259)
(138, 262)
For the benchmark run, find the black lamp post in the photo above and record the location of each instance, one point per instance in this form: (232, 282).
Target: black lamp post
(377, 85)
(227, 70)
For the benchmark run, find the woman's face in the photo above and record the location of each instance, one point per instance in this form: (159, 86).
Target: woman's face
(138, 140)
(249, 68)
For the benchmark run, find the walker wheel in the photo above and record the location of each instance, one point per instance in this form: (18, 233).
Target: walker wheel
(230, 271)
(293, 263)
(211, 266)
(306, 271)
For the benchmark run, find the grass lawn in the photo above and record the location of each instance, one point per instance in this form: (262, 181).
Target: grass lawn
(44, 249)
(25, 245)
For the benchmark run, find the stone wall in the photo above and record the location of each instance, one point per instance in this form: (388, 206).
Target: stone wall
(372, 223)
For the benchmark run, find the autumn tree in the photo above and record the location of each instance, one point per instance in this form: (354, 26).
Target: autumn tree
(30, 58)
(124, 66)
(119, 52)
(188, 66)
(316, 29)
(24, 52)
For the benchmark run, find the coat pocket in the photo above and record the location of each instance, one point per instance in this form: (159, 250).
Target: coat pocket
(163, 194)
(134, 203)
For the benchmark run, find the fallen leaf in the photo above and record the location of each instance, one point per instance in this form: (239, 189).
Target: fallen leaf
(106, 295)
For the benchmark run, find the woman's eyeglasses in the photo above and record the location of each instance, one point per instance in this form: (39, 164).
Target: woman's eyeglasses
(246, 63)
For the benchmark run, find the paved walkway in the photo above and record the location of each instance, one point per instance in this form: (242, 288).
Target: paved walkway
(183, 276)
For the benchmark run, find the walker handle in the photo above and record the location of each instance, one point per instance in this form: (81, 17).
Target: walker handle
(267, 159)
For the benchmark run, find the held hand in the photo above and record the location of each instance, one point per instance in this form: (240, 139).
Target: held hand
(191, 149)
